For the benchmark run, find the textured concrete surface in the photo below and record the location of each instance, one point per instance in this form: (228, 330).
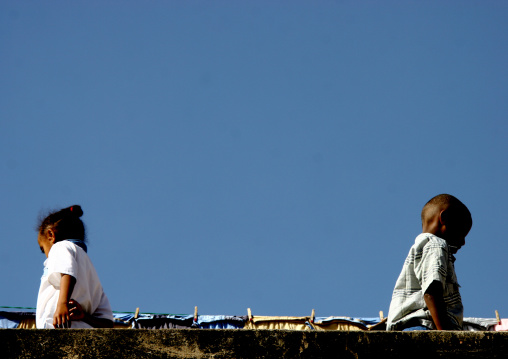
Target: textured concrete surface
(189, 343)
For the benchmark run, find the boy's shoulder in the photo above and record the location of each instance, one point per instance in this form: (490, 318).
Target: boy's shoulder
(429, 240)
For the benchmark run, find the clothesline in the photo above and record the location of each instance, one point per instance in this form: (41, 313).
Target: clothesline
(148, 313)
(121, 311)
(137, 320)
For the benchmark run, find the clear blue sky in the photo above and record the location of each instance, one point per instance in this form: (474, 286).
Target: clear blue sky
(264, 154)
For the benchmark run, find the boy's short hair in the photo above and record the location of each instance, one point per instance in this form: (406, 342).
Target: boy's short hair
(446, 201)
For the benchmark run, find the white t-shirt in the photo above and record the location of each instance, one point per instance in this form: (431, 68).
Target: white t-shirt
(67, 258)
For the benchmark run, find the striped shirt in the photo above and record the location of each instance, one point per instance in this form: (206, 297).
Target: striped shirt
(429, 260)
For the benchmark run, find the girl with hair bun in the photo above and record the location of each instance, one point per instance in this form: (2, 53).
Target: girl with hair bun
(71, 293)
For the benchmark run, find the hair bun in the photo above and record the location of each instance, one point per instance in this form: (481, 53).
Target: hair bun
(76, 210)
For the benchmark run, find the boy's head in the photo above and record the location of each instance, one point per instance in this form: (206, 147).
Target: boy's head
(448, 218)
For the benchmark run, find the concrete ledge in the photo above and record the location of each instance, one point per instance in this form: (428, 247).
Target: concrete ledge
(214, 343)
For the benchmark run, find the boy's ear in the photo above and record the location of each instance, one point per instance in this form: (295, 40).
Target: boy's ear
(443, 216)
(448, 216)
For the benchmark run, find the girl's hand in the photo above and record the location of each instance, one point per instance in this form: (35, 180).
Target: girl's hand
(75, 310)
(77, 313)
(61, 319)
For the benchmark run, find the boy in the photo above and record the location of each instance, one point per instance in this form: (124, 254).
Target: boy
(426, 294)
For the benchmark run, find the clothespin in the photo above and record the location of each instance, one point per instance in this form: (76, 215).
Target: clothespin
(136, 314)
(195, 314)
(313, 316)
(249, 314)
(381, 315)
(498, 318)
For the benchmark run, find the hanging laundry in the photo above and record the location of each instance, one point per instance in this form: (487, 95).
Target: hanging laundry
(20, 320)
(7, 321)
(220, 322)
(344, 323)
(160, 321)
(27, 323)
(269, 322)
(26, 320)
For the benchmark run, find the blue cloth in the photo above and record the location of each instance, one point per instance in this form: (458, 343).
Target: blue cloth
(8, 323)
(418, 327)
(369, 321)
(79, 243)
(10, 320)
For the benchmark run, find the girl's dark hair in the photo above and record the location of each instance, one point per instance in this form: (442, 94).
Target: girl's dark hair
(66, 224)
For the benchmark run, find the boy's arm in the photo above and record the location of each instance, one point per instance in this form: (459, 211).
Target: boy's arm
(436, 305)
(61, 319)
(77, 313)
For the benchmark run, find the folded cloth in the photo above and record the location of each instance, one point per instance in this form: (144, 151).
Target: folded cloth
(501, 327)
(478, 324)
(123, 317)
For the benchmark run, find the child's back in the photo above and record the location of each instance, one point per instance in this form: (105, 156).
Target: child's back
(66, 257)
(426, 294)
(69, 273)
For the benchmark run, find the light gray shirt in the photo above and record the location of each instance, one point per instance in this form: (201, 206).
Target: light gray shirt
(429, 260)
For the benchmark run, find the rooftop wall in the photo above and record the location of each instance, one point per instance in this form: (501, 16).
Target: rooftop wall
(189, 343)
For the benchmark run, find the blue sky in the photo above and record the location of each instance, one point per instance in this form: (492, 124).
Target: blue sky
(272, 155)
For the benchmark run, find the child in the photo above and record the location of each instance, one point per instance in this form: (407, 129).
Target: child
(426, 294)
(69, 273)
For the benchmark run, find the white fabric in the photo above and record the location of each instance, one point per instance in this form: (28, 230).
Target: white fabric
(67, 258)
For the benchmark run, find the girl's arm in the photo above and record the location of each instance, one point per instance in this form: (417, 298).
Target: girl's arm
(77, 313)
(62, 319)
